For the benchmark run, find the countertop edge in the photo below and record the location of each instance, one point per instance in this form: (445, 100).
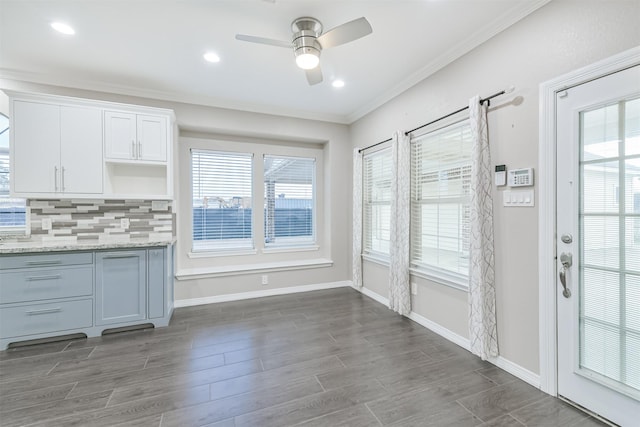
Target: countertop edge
(25, 248)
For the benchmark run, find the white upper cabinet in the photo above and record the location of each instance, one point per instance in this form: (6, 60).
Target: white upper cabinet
(130, 136)
(70, 147)
(56, 149)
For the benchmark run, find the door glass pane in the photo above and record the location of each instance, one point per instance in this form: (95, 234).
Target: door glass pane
(599, 133)
(603, 181)
(632, 127)
(609, 300)
(600, 238)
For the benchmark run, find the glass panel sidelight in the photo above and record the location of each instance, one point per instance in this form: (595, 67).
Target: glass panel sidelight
(609, 338)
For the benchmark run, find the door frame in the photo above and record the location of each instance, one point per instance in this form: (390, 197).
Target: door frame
(546, 177)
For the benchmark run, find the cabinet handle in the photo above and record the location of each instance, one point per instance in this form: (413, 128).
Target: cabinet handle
(133, 149)
(55, 178)
(62, 178)
(118, 256)
(44, 311)
(53, 261)
(49, 277)
(139, 149)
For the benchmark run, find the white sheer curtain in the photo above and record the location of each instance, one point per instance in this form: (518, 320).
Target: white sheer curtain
(399, 287)
(482, 297)
(357, 219)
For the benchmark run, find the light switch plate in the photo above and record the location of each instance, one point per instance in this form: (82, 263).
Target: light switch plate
(518, 198)
(124, 223)
(46, 224)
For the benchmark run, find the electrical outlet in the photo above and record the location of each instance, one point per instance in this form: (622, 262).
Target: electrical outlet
(265, 279)
(124, 223)
(414, 289)
(46, 224)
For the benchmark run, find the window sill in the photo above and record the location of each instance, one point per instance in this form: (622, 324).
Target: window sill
(441, 278)
(221, 253)
(376, 259)
(284, 249)
(237, 270)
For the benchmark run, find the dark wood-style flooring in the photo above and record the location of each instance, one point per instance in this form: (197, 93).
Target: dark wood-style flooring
(327, 358)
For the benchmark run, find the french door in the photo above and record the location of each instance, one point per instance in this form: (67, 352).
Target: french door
(598, 245)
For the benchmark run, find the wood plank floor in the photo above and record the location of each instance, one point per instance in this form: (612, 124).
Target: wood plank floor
(327, 358)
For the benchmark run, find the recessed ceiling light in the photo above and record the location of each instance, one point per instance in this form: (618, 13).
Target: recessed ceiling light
(338, 83)
(211, 57)
(63, 28)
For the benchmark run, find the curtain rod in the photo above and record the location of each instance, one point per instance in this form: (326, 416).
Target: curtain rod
(482, 101)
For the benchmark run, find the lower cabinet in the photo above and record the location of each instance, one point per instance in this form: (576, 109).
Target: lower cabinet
(47, 295)
(121, 287)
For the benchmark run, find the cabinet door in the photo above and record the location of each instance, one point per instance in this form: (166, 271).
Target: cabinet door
(152, 138)
(120, 135)
(120, 287)
(156, 269)
(81, 150)
(36, 147)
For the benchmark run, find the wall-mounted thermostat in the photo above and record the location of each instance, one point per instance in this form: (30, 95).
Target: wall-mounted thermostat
(501, 175)
(520, 177)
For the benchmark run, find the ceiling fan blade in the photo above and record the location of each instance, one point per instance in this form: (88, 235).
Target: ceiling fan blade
(263, 40)
(346, 33)
(314, 76)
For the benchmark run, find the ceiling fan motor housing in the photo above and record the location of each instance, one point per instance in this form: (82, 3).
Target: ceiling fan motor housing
(306, 31)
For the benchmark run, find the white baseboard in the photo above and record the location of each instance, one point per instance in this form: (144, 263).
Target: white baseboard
(259, 294)
(502, 363)
(373, 295)
(441, 330)
(517, 371)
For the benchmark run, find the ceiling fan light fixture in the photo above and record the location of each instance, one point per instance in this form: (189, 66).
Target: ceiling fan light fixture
(307, 60)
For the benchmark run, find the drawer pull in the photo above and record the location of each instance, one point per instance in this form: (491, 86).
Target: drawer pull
(50, 277)
(125, 255)
(53, 261)
(44, 311)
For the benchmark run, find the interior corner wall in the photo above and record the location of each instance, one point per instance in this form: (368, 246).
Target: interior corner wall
(559, 37)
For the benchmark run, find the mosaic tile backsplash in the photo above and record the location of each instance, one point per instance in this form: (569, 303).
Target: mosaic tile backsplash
(99, 221)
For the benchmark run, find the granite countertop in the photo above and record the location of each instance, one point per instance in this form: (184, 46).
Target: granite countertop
(32, 247)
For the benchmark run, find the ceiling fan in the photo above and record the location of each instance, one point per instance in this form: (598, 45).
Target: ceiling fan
(308, 41)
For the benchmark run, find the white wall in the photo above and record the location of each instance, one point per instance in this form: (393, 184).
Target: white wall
(558, 38)
(282, 134)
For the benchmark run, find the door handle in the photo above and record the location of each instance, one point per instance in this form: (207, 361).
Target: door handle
(62, 178)
(55, 178)
(566, 259)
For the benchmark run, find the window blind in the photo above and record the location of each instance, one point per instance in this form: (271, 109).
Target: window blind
(376, 192)
(609, 221)
(222, 203)
(289, 200)
(440, 184)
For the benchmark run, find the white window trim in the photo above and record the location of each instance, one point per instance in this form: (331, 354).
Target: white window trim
(377, 258)
(441, 277)
(243, 269)
(208, 253)
(290, 248)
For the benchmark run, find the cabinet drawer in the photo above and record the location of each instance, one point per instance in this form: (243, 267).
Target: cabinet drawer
(39, 284)
(45, 318)
(45, 260)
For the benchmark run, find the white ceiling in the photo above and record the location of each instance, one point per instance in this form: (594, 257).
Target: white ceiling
(154, 48)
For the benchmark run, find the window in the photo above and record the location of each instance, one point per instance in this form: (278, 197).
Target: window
(289, 198)
(440, 185)
(12, 211)
(376, 191)
(221, 200)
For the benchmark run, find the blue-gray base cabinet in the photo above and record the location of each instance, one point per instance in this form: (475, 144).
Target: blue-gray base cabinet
(43, 295)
